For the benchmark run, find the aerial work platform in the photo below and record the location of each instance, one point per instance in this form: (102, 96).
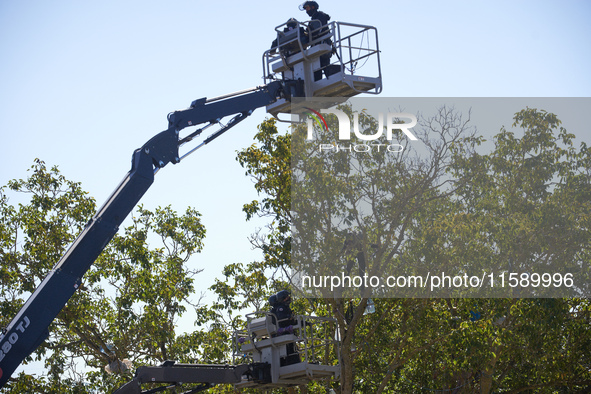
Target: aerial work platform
(336, 60)
(297, 353)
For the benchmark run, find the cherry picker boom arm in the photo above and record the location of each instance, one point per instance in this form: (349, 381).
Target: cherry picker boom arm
(29, 328)
(207, 375)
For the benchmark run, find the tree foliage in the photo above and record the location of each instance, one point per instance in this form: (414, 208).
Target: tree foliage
(125, 313)
(525, 202)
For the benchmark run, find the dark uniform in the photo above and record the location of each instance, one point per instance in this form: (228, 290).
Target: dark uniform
(317, 20)
(293, 46)
(282, 311)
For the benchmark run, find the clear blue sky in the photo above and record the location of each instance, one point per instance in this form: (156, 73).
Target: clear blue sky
(82, 84)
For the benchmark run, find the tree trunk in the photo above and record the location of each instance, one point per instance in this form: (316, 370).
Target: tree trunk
(346, 368)
(487, 374)
(347, 351)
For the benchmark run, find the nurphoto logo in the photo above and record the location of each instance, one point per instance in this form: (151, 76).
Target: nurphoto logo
(393, 121)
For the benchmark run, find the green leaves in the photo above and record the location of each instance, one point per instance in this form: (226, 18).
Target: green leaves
(525, 202)
(57, 211)
(130, 300)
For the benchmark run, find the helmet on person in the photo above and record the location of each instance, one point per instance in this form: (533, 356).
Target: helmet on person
(292, 23)
(284, 297)
(308, 3)
(273, 300)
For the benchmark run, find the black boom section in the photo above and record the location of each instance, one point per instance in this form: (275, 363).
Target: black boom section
(29, 328)
(207, 374)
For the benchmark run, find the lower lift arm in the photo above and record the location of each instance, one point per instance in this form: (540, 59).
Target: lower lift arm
(29, 328)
